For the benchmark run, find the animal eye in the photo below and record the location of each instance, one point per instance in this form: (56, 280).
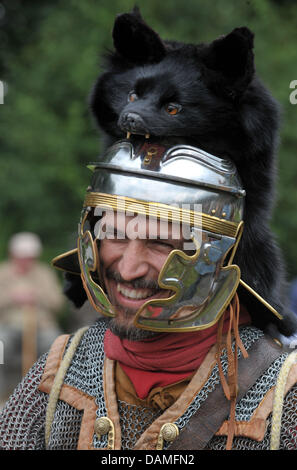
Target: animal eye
(132, 96)
(173, 108)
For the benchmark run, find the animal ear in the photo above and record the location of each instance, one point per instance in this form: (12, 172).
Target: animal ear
(229, 61)
(135, 40)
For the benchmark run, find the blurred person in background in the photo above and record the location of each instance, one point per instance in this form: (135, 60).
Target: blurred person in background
(30, 302)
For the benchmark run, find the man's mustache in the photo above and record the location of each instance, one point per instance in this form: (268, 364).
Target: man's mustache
(138, 283)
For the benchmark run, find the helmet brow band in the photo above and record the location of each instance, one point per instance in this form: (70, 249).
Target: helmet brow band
(162, 212)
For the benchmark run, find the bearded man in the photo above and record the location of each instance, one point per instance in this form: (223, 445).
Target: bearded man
(178, 360)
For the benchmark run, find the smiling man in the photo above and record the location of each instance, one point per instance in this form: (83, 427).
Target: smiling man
(131, 262)
(176, 359)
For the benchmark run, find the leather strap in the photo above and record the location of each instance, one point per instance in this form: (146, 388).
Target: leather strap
(216, 408)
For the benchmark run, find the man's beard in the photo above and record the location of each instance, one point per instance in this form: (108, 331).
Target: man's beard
(124, 330)
(130, 332)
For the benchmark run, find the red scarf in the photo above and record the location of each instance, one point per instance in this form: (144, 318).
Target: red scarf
(165, 359)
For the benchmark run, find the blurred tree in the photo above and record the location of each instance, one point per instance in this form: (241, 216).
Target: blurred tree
(50, 57)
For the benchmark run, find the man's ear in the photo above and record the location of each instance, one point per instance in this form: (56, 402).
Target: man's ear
(135, 40)
(229, 62)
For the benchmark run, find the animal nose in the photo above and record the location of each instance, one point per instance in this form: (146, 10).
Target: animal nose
(133, 122)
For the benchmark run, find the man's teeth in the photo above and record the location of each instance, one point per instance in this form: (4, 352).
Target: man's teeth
(134, 293)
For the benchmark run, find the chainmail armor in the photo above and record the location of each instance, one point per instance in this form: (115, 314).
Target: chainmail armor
(23, 418)
(288, 438)
(134, 420)
(246, 407)
(65, 428)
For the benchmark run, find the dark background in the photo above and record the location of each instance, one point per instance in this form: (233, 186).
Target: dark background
(49, 58)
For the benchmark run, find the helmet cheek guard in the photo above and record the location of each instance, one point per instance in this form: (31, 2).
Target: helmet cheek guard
(175, 184)
(88, 256)
(202, 288)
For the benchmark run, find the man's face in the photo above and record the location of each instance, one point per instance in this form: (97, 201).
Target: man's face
(131, 264)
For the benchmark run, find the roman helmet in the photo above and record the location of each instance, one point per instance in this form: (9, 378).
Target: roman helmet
(184, 186)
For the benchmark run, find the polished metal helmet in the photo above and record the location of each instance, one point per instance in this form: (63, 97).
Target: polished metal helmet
(184, 186)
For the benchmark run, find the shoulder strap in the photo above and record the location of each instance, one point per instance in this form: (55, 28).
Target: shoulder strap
(215, 410)
(279, 399)
(58, 382)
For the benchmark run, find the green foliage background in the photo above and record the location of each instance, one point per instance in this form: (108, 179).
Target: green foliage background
(49, 58)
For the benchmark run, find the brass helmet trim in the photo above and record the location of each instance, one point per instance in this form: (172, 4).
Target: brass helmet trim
(162, 212)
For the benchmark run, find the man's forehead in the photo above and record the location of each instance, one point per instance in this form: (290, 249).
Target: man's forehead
(147, 227)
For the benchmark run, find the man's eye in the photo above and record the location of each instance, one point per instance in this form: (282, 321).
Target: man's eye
(132, 96)
(173, 108)
(159, 245)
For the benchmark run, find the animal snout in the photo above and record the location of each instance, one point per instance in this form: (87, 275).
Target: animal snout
(132, 122)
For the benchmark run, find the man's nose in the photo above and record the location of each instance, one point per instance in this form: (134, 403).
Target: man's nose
(133, 262)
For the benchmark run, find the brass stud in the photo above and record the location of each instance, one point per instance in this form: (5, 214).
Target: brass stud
(224, 214)
(169, 432)
(213, 211)
(150, 153)
(102, 426)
